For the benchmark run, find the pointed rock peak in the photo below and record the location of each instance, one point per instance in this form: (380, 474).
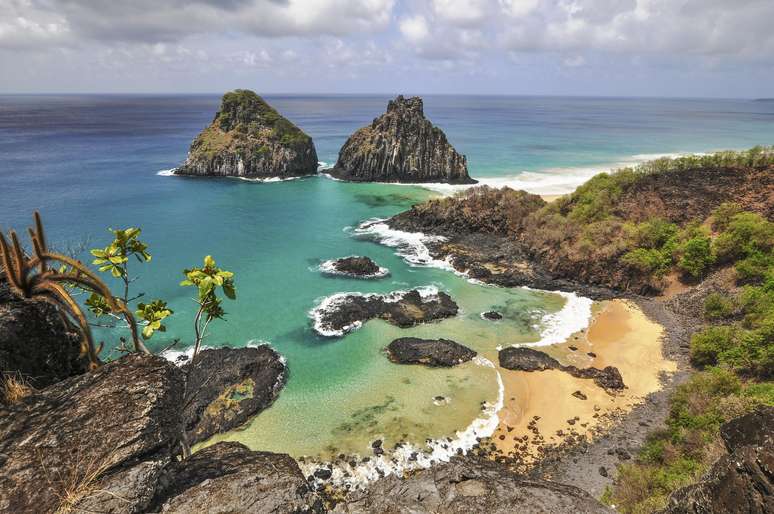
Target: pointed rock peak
(402, 105)
(249, 138)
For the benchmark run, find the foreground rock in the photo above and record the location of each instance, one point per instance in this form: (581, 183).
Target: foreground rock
(345, 312)
(35, 342)
(228, 477)
(401, 146)
(434, 353)
(355, 266)
(227, 386)
(249, 139)
(529, 359)
(465, 486)
(740, 482)
(55, 444)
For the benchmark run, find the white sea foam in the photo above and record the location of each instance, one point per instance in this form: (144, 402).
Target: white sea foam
(332, 302)
(400, 460)
(166, 173)
(547, 181)
(573, 317)
(322, 166)
(181, 357)
(329, 268)
(410, 246)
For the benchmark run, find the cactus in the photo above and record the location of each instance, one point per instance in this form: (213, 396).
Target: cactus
(46, 275)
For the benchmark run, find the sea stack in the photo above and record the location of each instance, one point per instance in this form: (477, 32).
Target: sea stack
(249, 139)
(401, 145)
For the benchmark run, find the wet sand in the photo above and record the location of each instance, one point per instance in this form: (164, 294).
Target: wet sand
(540, 410)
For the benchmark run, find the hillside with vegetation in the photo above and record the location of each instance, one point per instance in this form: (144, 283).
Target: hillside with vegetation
(695, 231)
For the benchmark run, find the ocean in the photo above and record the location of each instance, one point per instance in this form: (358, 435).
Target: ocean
(93, 162)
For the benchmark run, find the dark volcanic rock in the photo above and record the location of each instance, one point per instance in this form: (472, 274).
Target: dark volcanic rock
(430, 352)
(35, 342)
(100, 423)
(529, 359)
(227, 386)
(229, 478)
(526, 359)
(248, 138)
(492, 315)
(401, 146)
(465, 486)
(340, 314)
(741, 482)
(355, 266)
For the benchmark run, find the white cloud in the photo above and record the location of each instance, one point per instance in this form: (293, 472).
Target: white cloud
(517, 8)
(414, 28)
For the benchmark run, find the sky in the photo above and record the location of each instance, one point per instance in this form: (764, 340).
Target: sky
(684, 48)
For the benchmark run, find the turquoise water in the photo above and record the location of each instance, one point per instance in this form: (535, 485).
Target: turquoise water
(91, 162)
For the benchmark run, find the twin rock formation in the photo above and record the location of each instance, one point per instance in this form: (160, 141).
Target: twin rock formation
(249, 139)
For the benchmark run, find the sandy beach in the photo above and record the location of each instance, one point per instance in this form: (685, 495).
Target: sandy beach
(545, 409)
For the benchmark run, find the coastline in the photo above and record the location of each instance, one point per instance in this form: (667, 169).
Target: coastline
(541, 414)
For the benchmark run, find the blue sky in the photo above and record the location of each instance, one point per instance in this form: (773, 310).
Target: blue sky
(720, 48)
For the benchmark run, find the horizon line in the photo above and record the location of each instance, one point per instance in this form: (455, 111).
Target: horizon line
(387, 94)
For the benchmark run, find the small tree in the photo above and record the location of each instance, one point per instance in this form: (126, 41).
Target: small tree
(207, 280)
(114, 259)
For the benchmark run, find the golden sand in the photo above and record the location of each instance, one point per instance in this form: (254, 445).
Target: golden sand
(550, 198)
(541, 405)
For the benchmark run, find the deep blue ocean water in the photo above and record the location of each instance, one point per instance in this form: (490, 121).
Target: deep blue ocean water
(92, 162)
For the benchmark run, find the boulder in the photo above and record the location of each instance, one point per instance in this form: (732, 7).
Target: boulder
(401, 146)
(35, 342)
(249, 139)
(465, 486)
(344, 312)
(492, 315)
(741, 482)
(433, 353)
(526, 359)
(355, 267)
(56, 445)
(227, 386)
(228, 478)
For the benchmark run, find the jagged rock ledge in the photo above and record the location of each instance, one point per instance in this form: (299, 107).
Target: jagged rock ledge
(529, 359)
(434, 353)
(355, 267)
(401, 146)
(341, 313)
(249, 139)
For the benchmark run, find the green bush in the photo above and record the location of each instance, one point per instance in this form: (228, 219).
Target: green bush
(722, 215)
(696, 256)
(718, 306)
(647, 261)
(755, 266)
(747, 233)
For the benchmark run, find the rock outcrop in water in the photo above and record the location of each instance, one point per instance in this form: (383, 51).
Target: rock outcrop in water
(434, 353)
(529, 359)
(401, 146)
(342, 313)
(355, 267)
(249, 139)
(227, 386)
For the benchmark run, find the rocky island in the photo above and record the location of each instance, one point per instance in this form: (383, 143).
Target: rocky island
(401, 146)
(354, 267)
(250, 139)
(434, 353)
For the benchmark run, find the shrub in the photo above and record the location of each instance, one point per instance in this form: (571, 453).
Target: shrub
(755, 266)
(722, 215)
(647, 261)
(747, 233)
(654, 233)
(718, 306)
(696, 256)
